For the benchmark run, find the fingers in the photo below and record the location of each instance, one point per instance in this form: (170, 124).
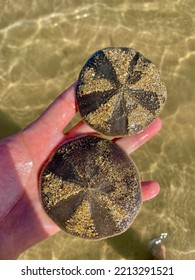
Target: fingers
(78, 130)
(56, 117)
(132, 143)
(128, 143)
(46, 132)
(150, 189)
(62, 110)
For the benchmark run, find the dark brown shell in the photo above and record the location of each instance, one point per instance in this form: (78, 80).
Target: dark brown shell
(91, 188)
(119, 92)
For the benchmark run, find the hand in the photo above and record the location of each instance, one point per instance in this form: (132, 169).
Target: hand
(23, 221)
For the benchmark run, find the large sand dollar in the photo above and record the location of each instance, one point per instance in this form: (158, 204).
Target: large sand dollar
(119, 91)
(91, 188)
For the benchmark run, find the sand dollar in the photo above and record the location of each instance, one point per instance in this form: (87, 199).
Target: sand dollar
(119, 91)
(91, 188)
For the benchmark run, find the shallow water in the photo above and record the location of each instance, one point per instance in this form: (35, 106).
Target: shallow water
(43, 46)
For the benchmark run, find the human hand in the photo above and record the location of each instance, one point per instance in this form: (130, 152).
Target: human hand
(23, 221)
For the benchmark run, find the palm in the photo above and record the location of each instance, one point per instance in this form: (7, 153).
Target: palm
(22, 155)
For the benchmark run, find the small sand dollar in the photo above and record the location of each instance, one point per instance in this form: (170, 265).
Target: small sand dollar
(119, 91)
(91, 188)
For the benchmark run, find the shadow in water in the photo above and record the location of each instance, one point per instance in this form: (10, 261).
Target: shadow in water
(7, 125)
(130, 246)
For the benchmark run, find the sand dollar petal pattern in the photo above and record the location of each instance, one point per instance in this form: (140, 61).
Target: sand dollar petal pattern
(91, 188)
(119, 91)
